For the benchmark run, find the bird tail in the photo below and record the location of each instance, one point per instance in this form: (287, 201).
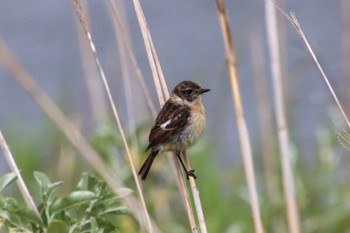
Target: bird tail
(147, 164)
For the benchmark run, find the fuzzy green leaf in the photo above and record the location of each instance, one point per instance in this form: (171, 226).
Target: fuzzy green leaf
(57, 226)
(116, 209)
(94, 226)
(7, 179)
(12, 212)
(42, 180)
(74, 199)
(123, 192)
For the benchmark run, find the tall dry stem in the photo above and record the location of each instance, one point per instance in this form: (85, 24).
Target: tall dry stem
(264, 113)
(94, 86)
(20, 182)
(126, 72)
(163, 95)
(295, 23)
(121, 30)
(282, 126)
(241, 123)
(79, 13)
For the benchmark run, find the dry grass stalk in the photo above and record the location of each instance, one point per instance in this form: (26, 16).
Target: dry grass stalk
(283, 134)
(242, 127)
(295, 23)
(79, 13)
(163, 95)
(185, 197)
(157, 73)
(125, 67)
(117, 14)
(20, 182)
(94, 86)
(264, 113)
(122, 31)
(196, 197)
(68, 129)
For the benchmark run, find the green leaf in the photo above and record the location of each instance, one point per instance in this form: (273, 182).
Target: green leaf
(30, 215)
(87, 182)
(117, 209)
(94, 226)
(42, 180)
(74, 199)
(7, 179)
(14, 213)
(51, 189)
(123, 192)
(57, 226)
(47, 188)
(15, 220)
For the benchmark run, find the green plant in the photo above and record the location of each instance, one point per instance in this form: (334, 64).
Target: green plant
(91, 207)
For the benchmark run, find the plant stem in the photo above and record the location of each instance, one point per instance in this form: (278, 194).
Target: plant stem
(241, 123)
(20, 182)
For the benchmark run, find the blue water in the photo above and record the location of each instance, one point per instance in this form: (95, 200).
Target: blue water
(188, 40)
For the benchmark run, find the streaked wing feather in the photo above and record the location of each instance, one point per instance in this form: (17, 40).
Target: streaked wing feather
(178, 116)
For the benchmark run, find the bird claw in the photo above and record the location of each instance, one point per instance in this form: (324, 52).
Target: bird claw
(191, 173)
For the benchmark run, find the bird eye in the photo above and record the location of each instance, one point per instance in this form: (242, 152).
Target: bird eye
(187, 91)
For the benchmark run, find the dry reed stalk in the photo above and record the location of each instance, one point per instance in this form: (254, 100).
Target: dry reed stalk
(185, 196)
(196, 197)
(157, 72)
(264, 113)
(282, 126)
(122, 31)
(95, 90)
(79, 13)
(123, 54)
(295, 23)
(20, 182)
(69, 130)
(241, 123)
(163, 95)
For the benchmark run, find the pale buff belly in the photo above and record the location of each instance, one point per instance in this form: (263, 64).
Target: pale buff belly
(189, 135)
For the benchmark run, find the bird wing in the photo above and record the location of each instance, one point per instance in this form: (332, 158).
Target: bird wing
(171, 119)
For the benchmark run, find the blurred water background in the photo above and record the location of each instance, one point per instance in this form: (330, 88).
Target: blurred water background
(43, 37)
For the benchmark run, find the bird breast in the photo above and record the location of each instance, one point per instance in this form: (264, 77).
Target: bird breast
(194, 128)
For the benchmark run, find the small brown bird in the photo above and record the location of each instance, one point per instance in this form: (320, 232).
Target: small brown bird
(178, 125)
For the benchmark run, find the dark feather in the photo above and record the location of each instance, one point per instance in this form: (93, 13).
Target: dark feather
(178, 116)
(147, 165)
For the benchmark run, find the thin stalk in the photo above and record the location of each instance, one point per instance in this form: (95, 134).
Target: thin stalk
(156, 70)
(163, 95)
(20, 182)
(241, 123)
(79, 13)
(185, 196)
(264, 113)
(125, 67)
(68, 129)
(122, 31)
(295, 23)
(282, 126)
(195, 193)
(94, 88)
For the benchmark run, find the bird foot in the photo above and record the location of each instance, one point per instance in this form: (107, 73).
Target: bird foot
(191, 173)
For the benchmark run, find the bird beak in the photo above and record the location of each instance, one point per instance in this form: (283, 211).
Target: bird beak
(203, 90)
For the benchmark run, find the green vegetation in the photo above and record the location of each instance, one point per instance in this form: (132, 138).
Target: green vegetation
(91, 207)
(322, 193)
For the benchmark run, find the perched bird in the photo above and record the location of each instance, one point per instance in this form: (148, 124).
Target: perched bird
(178, 125)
